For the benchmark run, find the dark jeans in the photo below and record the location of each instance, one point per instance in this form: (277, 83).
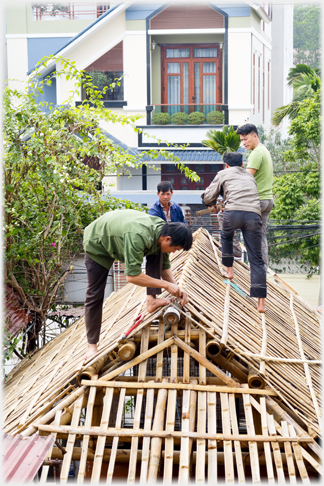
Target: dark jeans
(97, 280)
(266, 206)
(251, 225)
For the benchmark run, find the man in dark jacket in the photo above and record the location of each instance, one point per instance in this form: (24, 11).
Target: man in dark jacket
(164, 208)
(242, 211)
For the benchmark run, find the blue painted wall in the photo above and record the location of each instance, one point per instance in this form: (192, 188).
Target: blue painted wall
(49, 94)
(43, 46)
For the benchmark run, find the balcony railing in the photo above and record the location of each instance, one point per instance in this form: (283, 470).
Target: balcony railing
(70, 11)
(189, 114)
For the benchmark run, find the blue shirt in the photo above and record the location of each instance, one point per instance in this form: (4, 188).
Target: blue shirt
(175, 210)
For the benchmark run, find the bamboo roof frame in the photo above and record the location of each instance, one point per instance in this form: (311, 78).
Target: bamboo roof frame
(46, 392)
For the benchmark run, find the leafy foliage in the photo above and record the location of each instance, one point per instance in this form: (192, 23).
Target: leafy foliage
(161, 119)
(277, 146)
(51, 185)
(180, 118)
(223, 141)
(306, 83)
(196, 118)
(297, 201)
(307, 34)
(215, 117)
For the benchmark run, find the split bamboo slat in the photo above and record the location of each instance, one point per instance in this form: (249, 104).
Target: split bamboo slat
(70, 443)
(276, 450)
(186, 357)
(45, 469)
(212, 444)
(120, 411)
(97, 463)
(156, 442)
(237, 444)
(146, 440)
(227, 445)
(201, 443)
(266, 445)
(86, 438)
(289, 455)
(299, 457)
(138, 407)
(253, 448)
(184, 445)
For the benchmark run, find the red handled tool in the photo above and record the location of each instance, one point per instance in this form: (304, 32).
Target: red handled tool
(138, 320)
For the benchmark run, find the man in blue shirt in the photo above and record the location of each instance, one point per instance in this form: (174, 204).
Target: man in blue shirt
(164, 208)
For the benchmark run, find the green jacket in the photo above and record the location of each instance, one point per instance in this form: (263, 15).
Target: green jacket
(124, 235)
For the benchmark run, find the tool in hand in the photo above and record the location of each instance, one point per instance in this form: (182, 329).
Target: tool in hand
(210, 209)
(138, 320)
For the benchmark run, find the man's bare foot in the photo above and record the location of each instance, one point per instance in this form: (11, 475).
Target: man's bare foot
(92, 350)
(230, 272)
(261, 305)
(152, 303)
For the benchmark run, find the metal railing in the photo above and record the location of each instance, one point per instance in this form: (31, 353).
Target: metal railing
(71, 11)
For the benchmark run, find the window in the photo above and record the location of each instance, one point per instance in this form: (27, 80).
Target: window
(69, 11)
(191, 76)
(105, 70)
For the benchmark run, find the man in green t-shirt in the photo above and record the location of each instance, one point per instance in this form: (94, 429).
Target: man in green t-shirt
(129, 236)
(260, 166)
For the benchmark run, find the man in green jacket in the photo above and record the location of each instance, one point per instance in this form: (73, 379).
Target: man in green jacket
(129, 236)
(260, 166)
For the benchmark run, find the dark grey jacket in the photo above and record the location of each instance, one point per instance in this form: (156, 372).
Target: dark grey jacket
(238, 188)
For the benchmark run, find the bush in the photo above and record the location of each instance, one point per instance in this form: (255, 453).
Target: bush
(196, 118)
(179, 118)
(161, 119)
(215, 118)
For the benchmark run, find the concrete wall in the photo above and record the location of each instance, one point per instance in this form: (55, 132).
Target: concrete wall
(308, 289)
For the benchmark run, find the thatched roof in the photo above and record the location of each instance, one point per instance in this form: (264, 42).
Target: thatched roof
(283, 348)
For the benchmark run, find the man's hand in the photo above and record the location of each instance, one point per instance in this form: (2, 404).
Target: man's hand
(184, 298)
(173, 289)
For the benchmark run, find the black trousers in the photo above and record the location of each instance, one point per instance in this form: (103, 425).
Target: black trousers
(251, 225)
(97, 280)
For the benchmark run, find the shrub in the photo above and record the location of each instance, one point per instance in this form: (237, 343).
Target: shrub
(161, 119)
(196, 118)
(215, 118)
(179, 118)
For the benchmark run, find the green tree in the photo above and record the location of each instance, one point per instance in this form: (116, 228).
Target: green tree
(51, 186)
(222, 141)
(306, 83)
(307, 35)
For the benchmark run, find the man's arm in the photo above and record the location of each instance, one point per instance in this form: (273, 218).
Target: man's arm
(252, 171)
(212, 192)
(143, 280)
(168, 276)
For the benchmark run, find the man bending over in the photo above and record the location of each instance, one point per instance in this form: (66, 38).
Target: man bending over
(129, 236)
(242, 211)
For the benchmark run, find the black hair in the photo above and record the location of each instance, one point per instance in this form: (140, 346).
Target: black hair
(233, 159)
(247, 129)
(164, 186)
(180, 234)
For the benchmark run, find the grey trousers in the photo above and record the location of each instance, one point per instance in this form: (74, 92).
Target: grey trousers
(266, 207)
(237, 249)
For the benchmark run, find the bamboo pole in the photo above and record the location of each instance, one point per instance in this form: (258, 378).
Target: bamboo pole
(227, 445)
(264, 343)
(156, 441)
(289, 455)
(70, 443)
(276, 450)
(266, 445)
(212, 444)
(159, 357)
(237, 444)
(146, 440)
(253, 448)
(169, 443)
(226, 314)
(120, 410)
(186, 357)
(184, 446)
(45, 469)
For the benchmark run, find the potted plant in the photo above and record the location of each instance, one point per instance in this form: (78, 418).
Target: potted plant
(196, 118)
(180, 118)
(215, 117)
(161, 119)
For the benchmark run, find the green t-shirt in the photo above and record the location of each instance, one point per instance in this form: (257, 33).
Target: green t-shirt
(260, 159)
(124, 235)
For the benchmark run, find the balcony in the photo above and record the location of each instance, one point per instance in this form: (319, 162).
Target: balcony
(189, 114)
